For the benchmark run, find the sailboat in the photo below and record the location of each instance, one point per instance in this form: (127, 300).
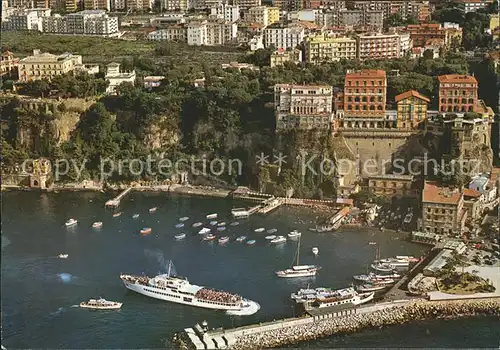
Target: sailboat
(299, 270)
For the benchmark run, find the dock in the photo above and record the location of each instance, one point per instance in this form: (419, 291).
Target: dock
(115, 202)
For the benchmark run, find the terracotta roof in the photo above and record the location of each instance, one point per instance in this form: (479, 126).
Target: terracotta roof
(433, 193)
(471, 193)
(367, 73)
(411, 93)
(457, 78)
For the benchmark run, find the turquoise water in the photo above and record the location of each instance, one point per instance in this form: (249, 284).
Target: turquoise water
(39, 291)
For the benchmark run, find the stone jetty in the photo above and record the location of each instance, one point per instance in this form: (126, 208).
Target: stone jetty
(397, 314)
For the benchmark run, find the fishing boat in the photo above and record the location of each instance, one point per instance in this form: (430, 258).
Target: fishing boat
(213, 223)
(180, 236)
(371, 287)
(278, 240)
(251, 242)
(241, 238)
(209, 237)
(371, 278)
(179, 225)
(240, 213)
(382, 267)
(273, 230)
(135, 216)
(236, 223)
(294, 234)
(71, 222)
(204, 230)
(146, 231)
(223, 240)
(271, 237)
(100, 304)
(261, 229)
(223, 223)
(97, 224)
(63, 256)
(398, 261)
(184, 218)
(169, 287)
(152, 210)
(326, 297)
(221, 228)
(315, 251)
(212, 216)
(197, 224)
(298, 270)
(115, 215)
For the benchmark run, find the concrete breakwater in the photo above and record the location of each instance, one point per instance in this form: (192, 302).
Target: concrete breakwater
(399, 314)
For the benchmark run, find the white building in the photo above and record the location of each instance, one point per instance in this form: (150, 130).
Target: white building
(25, 19)
(91, 22)
(405, 44)
(197, 33)
(115, 78)
(283, 37)
(227, 12)
(177, 32)
(474, 5)
(54, 24)
(257, 42)
(221, 32)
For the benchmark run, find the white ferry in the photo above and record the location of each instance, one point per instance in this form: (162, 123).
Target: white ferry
(240, 213)
(326, 297)
(179, 290)
(398, 261)
(100, 304)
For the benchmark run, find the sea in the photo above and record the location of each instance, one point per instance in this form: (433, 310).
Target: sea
(41, 293)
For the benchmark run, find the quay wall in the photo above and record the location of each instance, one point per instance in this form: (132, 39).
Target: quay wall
(288, 332)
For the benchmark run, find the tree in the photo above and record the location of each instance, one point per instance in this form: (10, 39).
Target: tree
(264, 178)
(428, 54)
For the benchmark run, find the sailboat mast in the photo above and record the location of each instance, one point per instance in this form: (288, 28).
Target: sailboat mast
(169, 266)
(298, 251)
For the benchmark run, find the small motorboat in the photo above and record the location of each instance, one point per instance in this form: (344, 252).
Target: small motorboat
(259, 229)
(270, 237)
(184, 218)
(382, 267)
(223, 223)
(241, 238)
(179, 225)
(152, 210)
(213, 223)
(251, 242)
(212, 216)
(221, 228)
(236, 223)
(294, 234)
(209, 237)
(135, 216)
(315, 251)
(371, 287)
(273, 230)
(180, 236)
(71, 222)
(63, 256)
(279, 240)
(97, 224)
(101, 304)
(115, 215)
(197, 224)
(204, 230)
(146, 231)
(223, 240)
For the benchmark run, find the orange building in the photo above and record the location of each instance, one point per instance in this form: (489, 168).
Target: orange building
(365, 92)
(421, 33)
(457, 93)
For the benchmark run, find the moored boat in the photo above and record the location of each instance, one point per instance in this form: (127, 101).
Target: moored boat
(135, 216)
(241, 238)
(209, 237)
(294, 234)
(371, 287)
(271, 237)
(152, 210)
(184, 218)
(213, 223)
(179, 225)
(398, 261)
(315, 251)
(180, 236)
(382, 267)
(261, 229)
(146, 231)
(223, 223)
(97, 224)
(100, 304)
(223, 240)
(236, 223)
(204, 230)
(326, 297)
(273, 230)
(278, 240)
(251, 242)
(212, 216)
(197, 224)
(63, 256)
(71, 222)
(298, 270)
(115, 215)
(371, 278)
(221, 228)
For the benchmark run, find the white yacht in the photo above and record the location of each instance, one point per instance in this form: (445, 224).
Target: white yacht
(398, 261)
(278, 240)
(100, 304)
(63, 256)
(325, 297)
(294, 234)
(212, 216)
(204, 230)
(71, 222)
(261, 229)
(179, 290)
(299, 270)
(97, 224)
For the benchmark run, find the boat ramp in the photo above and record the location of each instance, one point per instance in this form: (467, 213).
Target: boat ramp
(115, 202)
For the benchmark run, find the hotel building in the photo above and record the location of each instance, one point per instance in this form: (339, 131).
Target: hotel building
(365, 93)
(457, 93)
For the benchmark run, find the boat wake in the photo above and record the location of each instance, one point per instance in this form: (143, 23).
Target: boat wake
(57, 312)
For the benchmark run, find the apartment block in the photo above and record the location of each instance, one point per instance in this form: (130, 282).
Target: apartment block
(91, 22)
(378, 46)
(280, 56)
(442, 210)
(411, 109)
(221, 32)
(390, 185)
(174, 32)
(97, 5)
(365, 93)
(8, 63)
(175, 5)
(229, 13)
(71, 5)
(322, 48)
(55, 24)
(138, 5)
(197, 33)
(421, 34)
(360, 18)
(247, 4)
(303, 106)
(458, 93)
(283, 37)
(27, 4)
(45, 65)
(474, 5)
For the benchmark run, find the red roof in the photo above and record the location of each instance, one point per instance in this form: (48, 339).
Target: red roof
(457, 78)
(433, 193)
(413, 93)
(472, 193)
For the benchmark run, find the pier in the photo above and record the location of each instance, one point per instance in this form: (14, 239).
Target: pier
(115, 202)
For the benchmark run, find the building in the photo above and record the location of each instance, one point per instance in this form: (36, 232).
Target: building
(280, 56)
(474, 5)
(97, 5)
(378, 46)
(115, 77)
(256, 42)
(45, 65)
(449, 35)
(197, 33)
(457, 93)
(390, 185)
(442, 210)
(227, 12)
(8, 63)
(365, 93)
(303, 106)
(263, 15)
(283, 37)
(246, 4)
(151, 82)
(239, 66)
(323, 48)
(220, 32)
(355, 18)
(175, 5)
(175, 32)
(25, 19)
(138, 5)
(405, 44)
(412, 109)
(472, 203)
